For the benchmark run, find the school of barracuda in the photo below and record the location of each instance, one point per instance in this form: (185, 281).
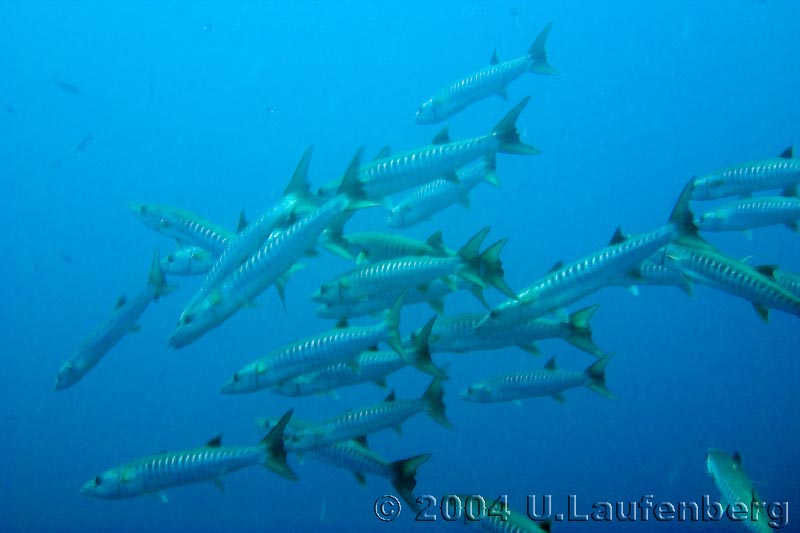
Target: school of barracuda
(391, 271)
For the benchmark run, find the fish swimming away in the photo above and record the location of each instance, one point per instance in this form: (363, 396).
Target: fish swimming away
(151, 475)
(437, 195)
(458, 333)
(702, 263)
(548, 382)
(564, 285)
(273, 262)
(777, 173)
(188, 261)
(356, 456)
(735, 487)
(121, 322)
(489, 81)
(479, 268)
(370, 366)
(185, 227)
(68, 88)
(754, 212)
(788, 280)
(316, 352)
(390, 413)
(84, 143)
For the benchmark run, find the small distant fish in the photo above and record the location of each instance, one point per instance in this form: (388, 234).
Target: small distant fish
(8, 109)
(85, 142)
(68, 88)
(64, 257)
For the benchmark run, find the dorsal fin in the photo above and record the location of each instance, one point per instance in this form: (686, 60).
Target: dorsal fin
(767, 270)
(216, 442)
(386, 151)
(494, 60)
(443, 137)
(120, 301)
(242, 222)
(558, 266)
(436, 241)
(299, 185)
(362, 440)
(737, 459)
(390, 398)
(788, 153)
(618, 237)
(551, 364)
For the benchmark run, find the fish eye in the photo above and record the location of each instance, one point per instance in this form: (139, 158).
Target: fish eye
(188, 319)
(236, 378)
(170, 259)
(98, 480)
(143, 209)
(493, 314)
(323, 289)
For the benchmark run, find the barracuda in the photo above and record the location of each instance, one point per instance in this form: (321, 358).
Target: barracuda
(374, 279)
(150, 475)
(755, 212)
(390, 175)
(269, 265)
(377, 246)
(736, 487)
(776, 173)
(702, 263)
(489, 81)
(187, 228)
(251, 237)
(459, 334)
(189, 261)
(548, 382)
(390, 413)
(355, 455)
(369, 366)
(313, 353)
(429, 199)
(121, 322)
(564, 285)
(788, 280)
(652, 273)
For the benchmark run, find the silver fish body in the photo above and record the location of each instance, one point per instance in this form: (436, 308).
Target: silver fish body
(188, 261)
(776, 173)
(754, 212)
(185, 227)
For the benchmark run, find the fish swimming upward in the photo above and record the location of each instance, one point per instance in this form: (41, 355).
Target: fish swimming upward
(735, 487)
(491, 80)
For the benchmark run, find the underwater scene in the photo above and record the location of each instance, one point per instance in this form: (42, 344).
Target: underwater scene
(400, 266)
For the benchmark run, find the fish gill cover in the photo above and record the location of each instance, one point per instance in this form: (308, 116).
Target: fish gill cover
(442, 319)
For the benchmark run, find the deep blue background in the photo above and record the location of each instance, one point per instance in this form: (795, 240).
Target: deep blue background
(208, 107)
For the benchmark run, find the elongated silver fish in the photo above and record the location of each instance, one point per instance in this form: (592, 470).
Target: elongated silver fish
(434, 196)
(251, 237)
(390, 413)
(651, 272)
(158, 472)
(564, 285)
(271, 263)
(548, 382)
(188, 261)
(356, 456)
(702, 263)
(376, 246)
(754, 212)
(489, 81)
(121, 322)
(459, 334)
(734, 485)
(395, 173)
(316, 352)
(187, 228)
(370, 366)
(776, 173)
(480, 269)
(788, 280)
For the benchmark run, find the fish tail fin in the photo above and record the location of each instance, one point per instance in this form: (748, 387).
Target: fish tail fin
(538, 54)
(490, 164)
(392, 322)
(404, 476)
(421, 357)
(275, 458)
(492, 268)
(433, 397)
(580, 331)
(596, 372)
(156, 279)
(685, 285)
(471, 259)
(682, 216)
(351, 185)
(508, 136)
(334, 240)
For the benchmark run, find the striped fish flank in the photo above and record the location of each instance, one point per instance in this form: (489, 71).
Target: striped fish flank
(755, 212)
(187, 228)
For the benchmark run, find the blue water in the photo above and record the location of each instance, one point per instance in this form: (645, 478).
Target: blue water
(208, 107)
